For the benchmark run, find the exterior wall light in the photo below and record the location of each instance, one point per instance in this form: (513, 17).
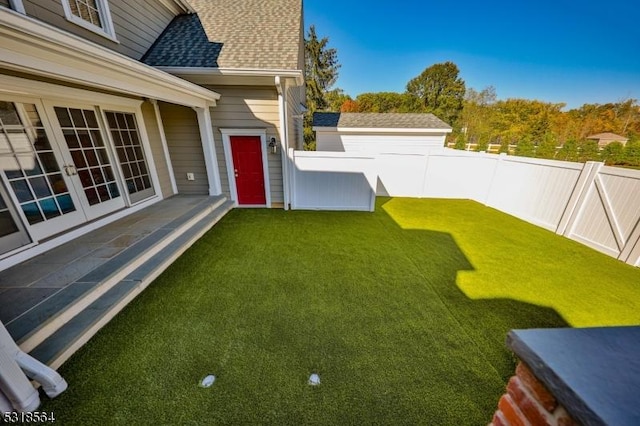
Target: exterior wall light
(273, 146)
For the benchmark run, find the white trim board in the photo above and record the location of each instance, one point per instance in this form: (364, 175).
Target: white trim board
(228, 157)
(40, 49)
(107, 30)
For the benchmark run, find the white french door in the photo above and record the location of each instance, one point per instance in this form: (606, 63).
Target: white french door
(36, 183)
(57, 169)
(87, 160)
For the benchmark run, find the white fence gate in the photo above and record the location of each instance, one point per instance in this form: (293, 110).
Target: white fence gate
(333, 181)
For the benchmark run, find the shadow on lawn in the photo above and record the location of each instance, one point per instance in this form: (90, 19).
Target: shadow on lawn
(487, 321)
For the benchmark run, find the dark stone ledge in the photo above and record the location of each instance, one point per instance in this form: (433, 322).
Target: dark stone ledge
(593, 372)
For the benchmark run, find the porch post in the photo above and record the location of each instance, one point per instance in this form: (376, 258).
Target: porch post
(165, 145)
(209, 150)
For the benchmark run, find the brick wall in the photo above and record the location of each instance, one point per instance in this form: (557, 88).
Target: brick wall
(528, 402)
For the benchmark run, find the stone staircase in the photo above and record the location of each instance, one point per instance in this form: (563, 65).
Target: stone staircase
(57, 327)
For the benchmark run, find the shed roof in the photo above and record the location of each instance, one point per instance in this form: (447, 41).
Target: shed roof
(247, 34)
(378, 120)
(608, 136)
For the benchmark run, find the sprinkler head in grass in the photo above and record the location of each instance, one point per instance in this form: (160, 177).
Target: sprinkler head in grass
(314, 379)
(207, 381)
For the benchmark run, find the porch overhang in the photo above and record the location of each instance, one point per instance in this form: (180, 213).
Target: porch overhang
(32, 47)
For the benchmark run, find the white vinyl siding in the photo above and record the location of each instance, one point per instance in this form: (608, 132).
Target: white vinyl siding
(295, 101)
(249, 108)
(377, 143)
(185, 148)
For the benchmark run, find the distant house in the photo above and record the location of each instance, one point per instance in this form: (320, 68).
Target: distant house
(605, 139)
(379, 133)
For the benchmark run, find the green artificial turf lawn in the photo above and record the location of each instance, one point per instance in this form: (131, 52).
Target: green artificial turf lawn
(403, 313)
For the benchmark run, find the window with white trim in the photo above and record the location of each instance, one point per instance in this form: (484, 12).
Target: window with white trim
(93, 15)
(124, 132)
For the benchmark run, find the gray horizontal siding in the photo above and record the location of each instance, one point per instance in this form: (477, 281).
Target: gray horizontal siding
(249, 108)
(185, 148)
(137, 24)
(5, 3)
(151, 126)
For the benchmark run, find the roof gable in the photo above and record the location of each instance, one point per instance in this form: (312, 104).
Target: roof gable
(233, 34)
(378, 120)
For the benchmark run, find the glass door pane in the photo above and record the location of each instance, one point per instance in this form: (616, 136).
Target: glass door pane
(91, 163)
(126, 138)
(32, 171)
(12, 233)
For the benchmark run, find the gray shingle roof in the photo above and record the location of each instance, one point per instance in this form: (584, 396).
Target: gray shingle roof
(255, 34)
(184, 44)
(378, 120)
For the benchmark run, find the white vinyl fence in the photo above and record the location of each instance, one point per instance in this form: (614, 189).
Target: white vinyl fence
(596, 205)
(333, 181)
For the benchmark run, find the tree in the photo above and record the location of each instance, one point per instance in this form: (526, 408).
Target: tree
(335, 99)
(632, 153)
(525, 147)
(475, 118)
(613, 153)
(461, 142)
(383, 102)
(350, 106)
(588, 151)
(438, 90)
(547, 148)
(321, 71)
(568, 151)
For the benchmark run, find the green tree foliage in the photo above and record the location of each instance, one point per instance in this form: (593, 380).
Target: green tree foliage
(461, 142)
(482, 144)
(548, 147)
(383, 102)
(335, 99)
(504, 146)
(632, 153)
(568, 151)
(525, 147)
(588, 151)
(438, 90)
(321, 71)
(613, 153)
(475, 118)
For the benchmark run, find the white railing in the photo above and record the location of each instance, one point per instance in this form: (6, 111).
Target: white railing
(596, 205)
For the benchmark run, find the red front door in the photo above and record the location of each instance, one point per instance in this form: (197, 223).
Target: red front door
(247, 164)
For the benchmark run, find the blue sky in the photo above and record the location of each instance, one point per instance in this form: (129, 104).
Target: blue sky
(556, 51)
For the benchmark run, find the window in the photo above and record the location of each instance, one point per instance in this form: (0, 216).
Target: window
(93, 15)
(17, 6)
(124, 131)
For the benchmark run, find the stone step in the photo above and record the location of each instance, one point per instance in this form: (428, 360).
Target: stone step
(66, 340)
(36, 325)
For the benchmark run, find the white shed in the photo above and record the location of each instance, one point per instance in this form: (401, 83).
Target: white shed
(379, 133)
